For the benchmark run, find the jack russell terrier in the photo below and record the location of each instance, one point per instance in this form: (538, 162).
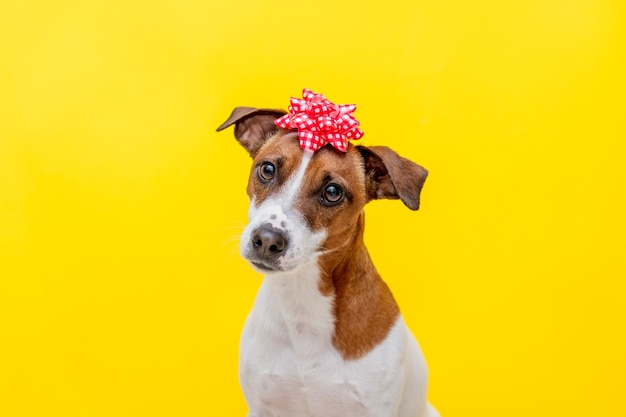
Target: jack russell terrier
(325, 337)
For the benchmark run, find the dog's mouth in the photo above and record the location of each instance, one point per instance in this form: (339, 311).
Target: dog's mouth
(263, 267)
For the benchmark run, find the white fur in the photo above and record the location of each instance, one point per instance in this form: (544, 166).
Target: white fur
(279, 212)
(289, 366)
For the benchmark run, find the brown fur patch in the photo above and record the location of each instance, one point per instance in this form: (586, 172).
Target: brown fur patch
(284, 152)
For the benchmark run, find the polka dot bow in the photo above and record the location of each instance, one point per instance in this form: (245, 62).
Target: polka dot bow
(320, 121)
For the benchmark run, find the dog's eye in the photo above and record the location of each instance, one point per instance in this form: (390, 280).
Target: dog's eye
(266, 172)
(333, 194)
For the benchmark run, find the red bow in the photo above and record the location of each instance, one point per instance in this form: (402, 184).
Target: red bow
(319, 121)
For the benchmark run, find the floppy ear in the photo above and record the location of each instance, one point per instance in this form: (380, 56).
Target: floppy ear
(252, 126)
(388, 175)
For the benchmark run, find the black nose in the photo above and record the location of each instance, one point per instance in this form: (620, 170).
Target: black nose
(268, 241)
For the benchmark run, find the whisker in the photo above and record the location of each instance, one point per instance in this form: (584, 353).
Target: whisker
(325, 251)
(238, 227)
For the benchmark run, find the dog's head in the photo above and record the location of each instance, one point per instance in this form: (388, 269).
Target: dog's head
(304, 205)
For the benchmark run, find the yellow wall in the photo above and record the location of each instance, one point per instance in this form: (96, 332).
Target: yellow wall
(121, 289)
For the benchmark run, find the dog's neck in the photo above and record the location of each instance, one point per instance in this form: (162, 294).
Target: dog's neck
(340, 299)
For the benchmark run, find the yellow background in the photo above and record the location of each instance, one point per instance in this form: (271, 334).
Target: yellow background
(121, 289)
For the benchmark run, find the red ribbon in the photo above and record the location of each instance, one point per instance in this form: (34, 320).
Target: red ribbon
(319, 121)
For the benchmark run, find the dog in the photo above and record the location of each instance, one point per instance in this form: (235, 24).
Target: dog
(325, 337)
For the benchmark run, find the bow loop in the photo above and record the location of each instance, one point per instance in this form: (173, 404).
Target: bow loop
(320, 121)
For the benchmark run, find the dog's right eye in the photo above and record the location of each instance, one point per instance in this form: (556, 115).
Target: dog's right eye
(266, 172)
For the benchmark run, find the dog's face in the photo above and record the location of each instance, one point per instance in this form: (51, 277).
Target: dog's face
(305, 205)
(301, 204)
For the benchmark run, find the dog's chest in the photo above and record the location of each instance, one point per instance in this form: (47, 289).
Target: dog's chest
(289, 366)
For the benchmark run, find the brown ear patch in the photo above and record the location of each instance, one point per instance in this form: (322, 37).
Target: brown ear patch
(388, 175)
(252, 126)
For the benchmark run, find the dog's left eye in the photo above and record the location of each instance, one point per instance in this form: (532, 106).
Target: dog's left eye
(266, 172)
(333, 194)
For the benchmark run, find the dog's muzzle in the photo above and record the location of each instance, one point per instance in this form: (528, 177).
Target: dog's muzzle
(268, 244)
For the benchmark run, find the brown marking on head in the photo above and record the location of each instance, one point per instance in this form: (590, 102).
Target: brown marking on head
(331, 174)
(284, 153)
